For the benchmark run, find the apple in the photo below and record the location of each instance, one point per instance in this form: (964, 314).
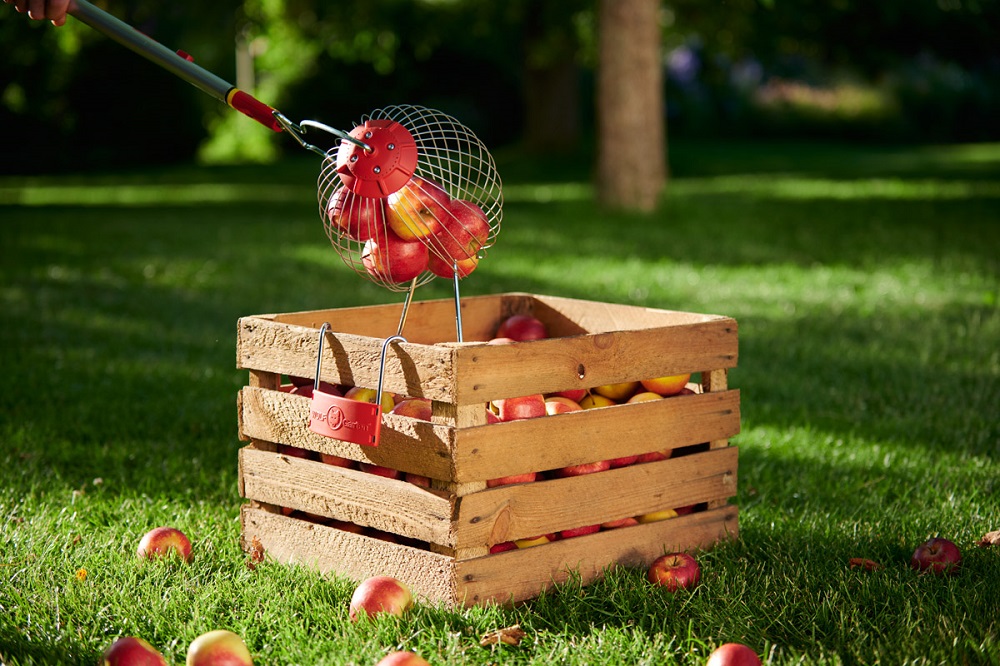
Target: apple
(656, 516)
(379, 470)
(559, 405)
(371, 395)
(491, 417)
(503, 546)
(644, 396)
(733, 654)
(379, 594)
(501, 341)
(357, 217)
(522, 327)
(654, 456)
(579, 531)
(346, 526)
(624, 461)
(617, 392)
(524, 407)
(393, 259)
(527, 477)
(464, 231)
(402, 658)
(531, 542)
(163, 542)
(674, 571)
(448, 268)
(938, 556)
(594, 400)
(337, 461)
(415, 408)
(584, 468)
(294, 451)
(132, 651)
(669, 385)
(685, 510)
(417, 479)
(576, 395)
(218, 648)
(621, 522)
(416, 210)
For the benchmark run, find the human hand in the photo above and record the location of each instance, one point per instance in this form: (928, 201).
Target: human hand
(53, 10)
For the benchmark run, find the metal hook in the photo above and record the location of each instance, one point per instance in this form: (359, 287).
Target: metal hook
(381, 368)
(297, 130)
(319, 355)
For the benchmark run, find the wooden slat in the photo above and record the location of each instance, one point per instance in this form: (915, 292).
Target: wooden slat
(515, 512)
(329, 550)
(514, 576)
(552, 442)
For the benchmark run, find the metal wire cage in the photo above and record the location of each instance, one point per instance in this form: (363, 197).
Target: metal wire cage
(434, 217)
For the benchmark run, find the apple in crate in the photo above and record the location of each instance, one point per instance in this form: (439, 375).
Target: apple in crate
(576, 395)
(379, 594)
(379, 470)
(417, 479)
(595, 400)
(527, 477)
(402, 658)
(644, 396)
(219, 648)
(656, 516)
(415, 211)
(621, 522)
(670, 385)
(294, 451)
(733, 654)
(531, 542)
(558, 404)
(132, 651)
(337, 461)
(583, 468)
(371, 395)
(938, 556)
(518, 409)
(579, 531)
(619, 392)
(674, 571)
(357, 217)
(393, 259)
(416, 408)
(162, 542)
(522, 328)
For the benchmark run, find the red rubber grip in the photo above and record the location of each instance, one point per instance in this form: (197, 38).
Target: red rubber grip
(253, 108)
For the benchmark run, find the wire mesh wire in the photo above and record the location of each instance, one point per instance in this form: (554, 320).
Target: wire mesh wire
(438, 224)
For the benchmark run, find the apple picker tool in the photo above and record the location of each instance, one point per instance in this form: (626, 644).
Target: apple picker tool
(408, 195)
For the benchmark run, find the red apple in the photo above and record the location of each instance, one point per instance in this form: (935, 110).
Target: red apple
(684, 510)
(621, 522)
(491, 417)
(670, 385)
(618, 392)
(371, 395)
(654, 456)
(524, 407)
(522, 327)
(674, 571)
(417, 479)
(393, 259)
(559, 405)
(464, 231)
(346, 526)
(402, 659)
(357, 217)
(579, 531)
(504, 546)
(733, 654)
(337, 461)
(380, 594)
(163, 542)
(528, 477)
(447, 268)
(218, 648)
(585, 468)
(379, 470)
(415, 408)
(937, 556)
(501, 341)
(416, 210)
(576, 395)
(624, 461)
(132, 651)
(294, 451)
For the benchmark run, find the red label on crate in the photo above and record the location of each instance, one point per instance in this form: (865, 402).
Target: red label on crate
(345, 419)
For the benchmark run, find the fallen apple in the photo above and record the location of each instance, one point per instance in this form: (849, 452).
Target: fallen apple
(402, 658)
(733, 654)
(132, 651)
(674, 571)
(377, 595)
(522, 328)
(938, 556)
(218, 648)
(162, 542)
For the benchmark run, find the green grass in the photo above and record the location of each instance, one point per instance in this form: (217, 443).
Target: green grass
(866, 283)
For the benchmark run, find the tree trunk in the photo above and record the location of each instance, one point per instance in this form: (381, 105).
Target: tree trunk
(631, 148)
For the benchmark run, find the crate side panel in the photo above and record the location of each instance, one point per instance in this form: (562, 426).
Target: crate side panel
(596, 317)
(344, 494)
(406, 444)
(330, 550)
(488, 579)
(489, 372)
(524, 510)
(605, 433)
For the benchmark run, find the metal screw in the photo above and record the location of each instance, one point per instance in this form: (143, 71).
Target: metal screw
(368, 135)
(391, 146)
(377, 169)
(354, 158)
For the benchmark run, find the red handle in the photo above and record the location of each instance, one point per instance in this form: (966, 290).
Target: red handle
(253, 108)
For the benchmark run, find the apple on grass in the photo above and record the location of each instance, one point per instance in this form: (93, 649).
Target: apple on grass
(162, 542)
(402, 658)
(733, 654)
(378, 595)
(415, 211)
(132, 651)
(357, 217)
(522, 328)
(674, 571)
(937, 556)
(669, 385)
(393, 259)
(219, 648)
(520, 408)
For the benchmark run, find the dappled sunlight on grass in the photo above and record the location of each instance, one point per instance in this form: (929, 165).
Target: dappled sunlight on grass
(789, 186)
(174, 194)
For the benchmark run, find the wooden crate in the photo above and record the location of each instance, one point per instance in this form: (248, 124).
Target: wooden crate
(444, 533)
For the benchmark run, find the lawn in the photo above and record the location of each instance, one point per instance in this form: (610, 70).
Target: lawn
(866, 284)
